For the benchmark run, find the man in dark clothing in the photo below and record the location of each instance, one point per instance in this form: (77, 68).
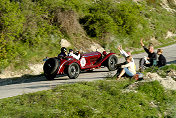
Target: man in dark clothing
(150, 60)
(161, 59)
(63, 52)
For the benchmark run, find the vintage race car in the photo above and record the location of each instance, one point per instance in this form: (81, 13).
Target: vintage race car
(72, 67)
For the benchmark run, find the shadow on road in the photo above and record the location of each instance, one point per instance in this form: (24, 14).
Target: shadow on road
(23, 79)
(171, 62)
(36, 78)
(93, 71)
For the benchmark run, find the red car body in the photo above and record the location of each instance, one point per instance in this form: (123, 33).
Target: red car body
(72, 67)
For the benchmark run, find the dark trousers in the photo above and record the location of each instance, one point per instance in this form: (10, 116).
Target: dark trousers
(142, 63)
(119, 70)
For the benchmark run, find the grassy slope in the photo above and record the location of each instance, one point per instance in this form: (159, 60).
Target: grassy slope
(104, 98)
(93, 99)
(30, 31)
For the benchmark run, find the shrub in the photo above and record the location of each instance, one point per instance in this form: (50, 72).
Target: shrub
(31, 24)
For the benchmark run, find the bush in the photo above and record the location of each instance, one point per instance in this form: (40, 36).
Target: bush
(25, 30)
(32, 24)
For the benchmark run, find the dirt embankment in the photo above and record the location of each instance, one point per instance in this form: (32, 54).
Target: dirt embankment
(34, 69)
(168, 82)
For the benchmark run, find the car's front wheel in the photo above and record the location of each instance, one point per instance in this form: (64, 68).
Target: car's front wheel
(112, 61)
(73, 71)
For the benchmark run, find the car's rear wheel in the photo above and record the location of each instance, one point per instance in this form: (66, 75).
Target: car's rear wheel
(112, 61)
(73, 71)
(50, 68)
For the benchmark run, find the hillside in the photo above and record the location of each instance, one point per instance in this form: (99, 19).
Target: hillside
(32, 29)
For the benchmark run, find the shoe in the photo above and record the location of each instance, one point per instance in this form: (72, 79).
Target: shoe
(136, 76)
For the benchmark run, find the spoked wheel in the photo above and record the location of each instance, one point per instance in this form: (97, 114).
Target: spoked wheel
(50, 68)
(73, 71)
(112, 61)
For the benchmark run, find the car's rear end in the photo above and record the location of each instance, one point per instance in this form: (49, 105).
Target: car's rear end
(58, 66)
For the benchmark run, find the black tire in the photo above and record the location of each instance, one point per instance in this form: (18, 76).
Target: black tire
(73, 71)
(111, 63)
(50, 76)
(50, 68)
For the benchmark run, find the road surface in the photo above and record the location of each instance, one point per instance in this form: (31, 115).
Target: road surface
(39, 83)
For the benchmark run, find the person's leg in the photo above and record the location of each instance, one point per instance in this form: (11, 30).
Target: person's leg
(121, 74)
(129, 73)
(141, 64)
(119, 71)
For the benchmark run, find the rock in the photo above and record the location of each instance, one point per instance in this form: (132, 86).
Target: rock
(96, 47)
(170, 34)
(167, 82)
(154, 41)
(172, 74)
(36, 68)
(65, 43)
(167, 3)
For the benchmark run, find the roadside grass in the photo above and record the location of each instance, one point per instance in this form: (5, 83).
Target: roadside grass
(103, 98)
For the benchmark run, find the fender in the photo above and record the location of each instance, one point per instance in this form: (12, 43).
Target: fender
(64, 64)
(104, 58)
(62, 67)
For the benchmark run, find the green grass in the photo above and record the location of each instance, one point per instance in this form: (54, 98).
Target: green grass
(163, 71)
(105, 98)
(29, 30)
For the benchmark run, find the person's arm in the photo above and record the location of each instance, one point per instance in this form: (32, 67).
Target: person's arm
(142, 44)
(126, 65)
(123, 53)
(146, 50)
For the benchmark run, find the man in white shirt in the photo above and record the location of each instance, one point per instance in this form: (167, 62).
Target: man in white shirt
(73, 55)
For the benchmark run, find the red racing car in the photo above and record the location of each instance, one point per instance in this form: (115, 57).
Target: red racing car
(72, 67)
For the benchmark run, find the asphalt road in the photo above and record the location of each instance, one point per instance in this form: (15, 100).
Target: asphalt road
(39, 83)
